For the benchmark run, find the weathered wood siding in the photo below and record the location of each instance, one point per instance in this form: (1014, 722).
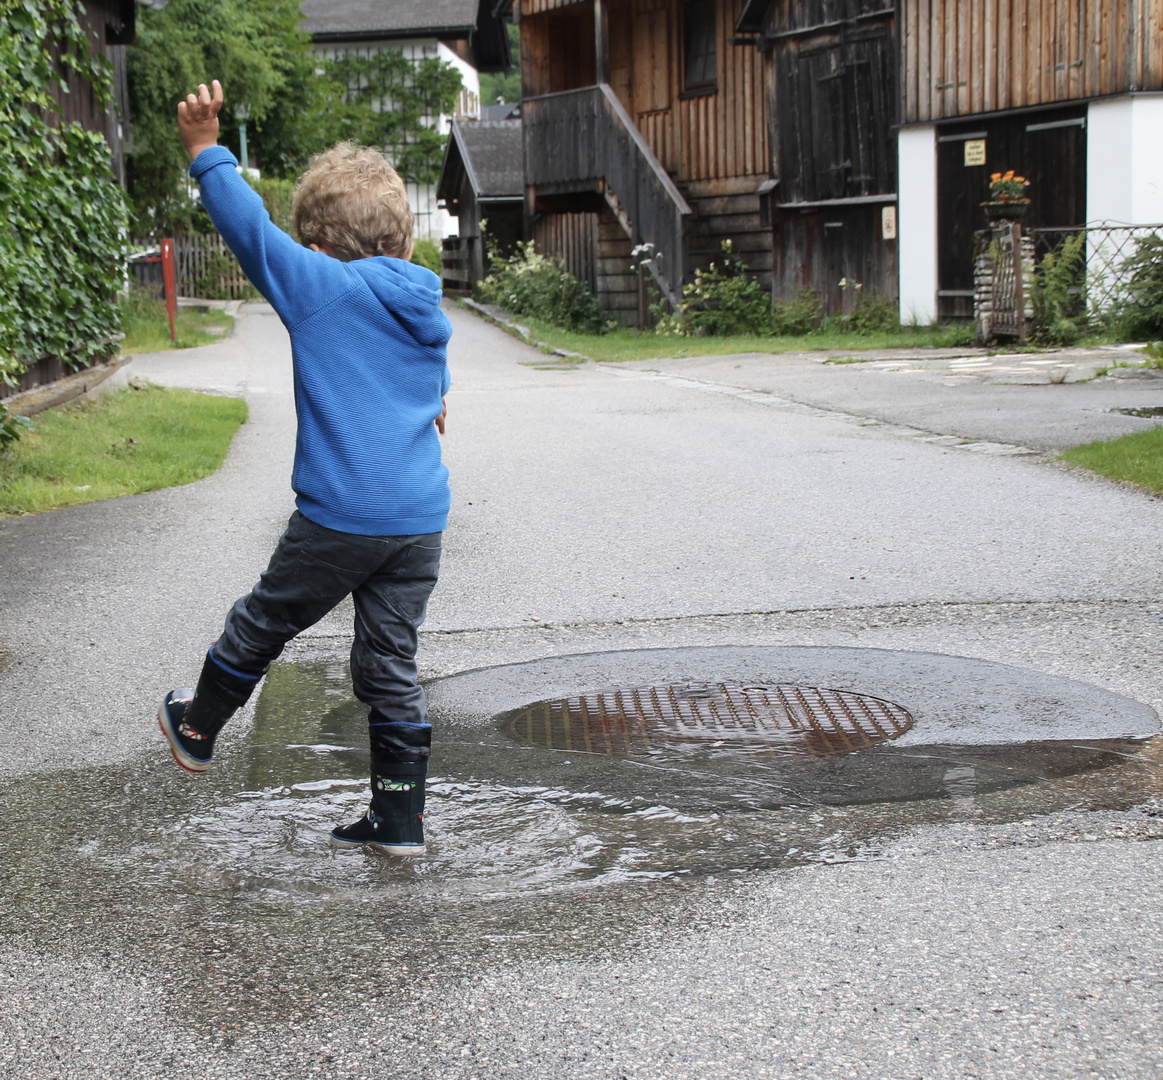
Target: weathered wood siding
(594, 248)
(700, 136)
(735, 212)
(969, 56)
(574, 237)
(834, 98)
(557, 49)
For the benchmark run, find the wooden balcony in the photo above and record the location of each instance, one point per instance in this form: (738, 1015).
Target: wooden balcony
(584, 140)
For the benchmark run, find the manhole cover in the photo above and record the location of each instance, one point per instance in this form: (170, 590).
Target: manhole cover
(778, 721)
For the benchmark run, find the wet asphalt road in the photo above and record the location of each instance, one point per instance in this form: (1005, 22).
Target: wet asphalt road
(156, 929)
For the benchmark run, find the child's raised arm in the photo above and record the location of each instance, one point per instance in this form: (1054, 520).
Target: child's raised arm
(294, 280)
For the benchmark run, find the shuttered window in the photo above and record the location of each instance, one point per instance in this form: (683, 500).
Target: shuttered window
(701, 66)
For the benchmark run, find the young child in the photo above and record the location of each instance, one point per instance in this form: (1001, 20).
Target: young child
(368, 344)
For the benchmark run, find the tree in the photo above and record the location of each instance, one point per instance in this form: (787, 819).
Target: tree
(506, 85)
(299, 103)
(264, 61)
(394, 103)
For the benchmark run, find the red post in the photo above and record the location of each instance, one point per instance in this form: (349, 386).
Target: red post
(171, 288)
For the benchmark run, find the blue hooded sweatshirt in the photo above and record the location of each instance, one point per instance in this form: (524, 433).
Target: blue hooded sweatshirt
(368, 345)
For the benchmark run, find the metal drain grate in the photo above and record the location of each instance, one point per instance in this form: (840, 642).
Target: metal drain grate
(777, 721)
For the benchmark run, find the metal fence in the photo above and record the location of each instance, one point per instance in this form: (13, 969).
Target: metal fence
(1104, 280)
(1104, 276)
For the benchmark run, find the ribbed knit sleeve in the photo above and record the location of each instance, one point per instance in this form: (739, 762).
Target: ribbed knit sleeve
(295, 280)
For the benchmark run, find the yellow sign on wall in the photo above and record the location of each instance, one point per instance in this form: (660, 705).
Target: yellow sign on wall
(974, 151)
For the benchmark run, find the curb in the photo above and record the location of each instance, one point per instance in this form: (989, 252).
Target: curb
(495, 316)
(80, 383)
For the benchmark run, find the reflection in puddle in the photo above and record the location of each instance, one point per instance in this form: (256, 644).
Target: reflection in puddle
(506, 819)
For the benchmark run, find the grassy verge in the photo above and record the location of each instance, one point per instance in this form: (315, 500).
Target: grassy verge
(129, 441)
(147, 327)
(624, 344)
(1135, 458)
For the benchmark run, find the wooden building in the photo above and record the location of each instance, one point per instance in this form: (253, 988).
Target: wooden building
(1066, 92)
(482, 180)
(645, 129)
(833, 108)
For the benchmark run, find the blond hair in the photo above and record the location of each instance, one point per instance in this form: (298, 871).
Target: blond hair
(351, 202)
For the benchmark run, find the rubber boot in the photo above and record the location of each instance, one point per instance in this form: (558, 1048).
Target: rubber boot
(191, 720)
(394, 821)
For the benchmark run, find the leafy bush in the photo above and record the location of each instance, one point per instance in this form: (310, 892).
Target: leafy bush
(11, 426)
(798, 316)
(214, 284)
(276, 197)
(427, 253)
(871, 315)
(530, 284)
(723, 299)
(1059, 312)
(1139, 316)
(61, 258)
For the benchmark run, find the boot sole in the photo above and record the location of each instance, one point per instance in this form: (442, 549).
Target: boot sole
(402, 850)
(183, 759)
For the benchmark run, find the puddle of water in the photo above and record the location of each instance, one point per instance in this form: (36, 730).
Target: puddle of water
(1148, 411)
(506, 819)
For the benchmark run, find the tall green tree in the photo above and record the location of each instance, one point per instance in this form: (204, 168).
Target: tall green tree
(505, 85)
(264, 61)
(299, 103)
(394, 102)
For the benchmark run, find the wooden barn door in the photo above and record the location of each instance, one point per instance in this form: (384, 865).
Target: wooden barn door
(834, 103)
(1048, 148)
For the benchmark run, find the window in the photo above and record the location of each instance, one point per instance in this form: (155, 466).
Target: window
(701, 61)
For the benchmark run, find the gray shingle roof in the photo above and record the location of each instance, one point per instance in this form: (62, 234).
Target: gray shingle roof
(392, 18)
(493, 156)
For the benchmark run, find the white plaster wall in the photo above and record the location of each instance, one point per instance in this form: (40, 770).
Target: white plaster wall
(1108, 160)
(917, 223)
(1124, 160)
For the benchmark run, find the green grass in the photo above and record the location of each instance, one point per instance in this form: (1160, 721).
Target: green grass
(1135, 458)
(622, 345)
(147, 328)
(128, 441)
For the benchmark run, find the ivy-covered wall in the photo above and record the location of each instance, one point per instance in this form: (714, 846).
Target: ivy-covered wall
(62, 247)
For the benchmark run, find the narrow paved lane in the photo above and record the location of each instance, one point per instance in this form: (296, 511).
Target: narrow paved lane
(156, 925)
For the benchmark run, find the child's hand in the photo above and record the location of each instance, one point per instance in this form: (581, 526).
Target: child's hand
(198, 119)
(441, 417)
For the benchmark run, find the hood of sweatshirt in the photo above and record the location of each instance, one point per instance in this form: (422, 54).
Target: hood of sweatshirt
(412, 294)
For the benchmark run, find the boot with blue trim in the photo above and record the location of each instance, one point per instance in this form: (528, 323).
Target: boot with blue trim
(191, 719)
(393, 823)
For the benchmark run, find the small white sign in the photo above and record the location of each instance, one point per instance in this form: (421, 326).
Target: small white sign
(974, 151)
(888, 222)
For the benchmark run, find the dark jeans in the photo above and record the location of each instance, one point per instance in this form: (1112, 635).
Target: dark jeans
(390, 579)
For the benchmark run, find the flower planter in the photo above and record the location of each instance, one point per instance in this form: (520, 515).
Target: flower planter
(1005, 209)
